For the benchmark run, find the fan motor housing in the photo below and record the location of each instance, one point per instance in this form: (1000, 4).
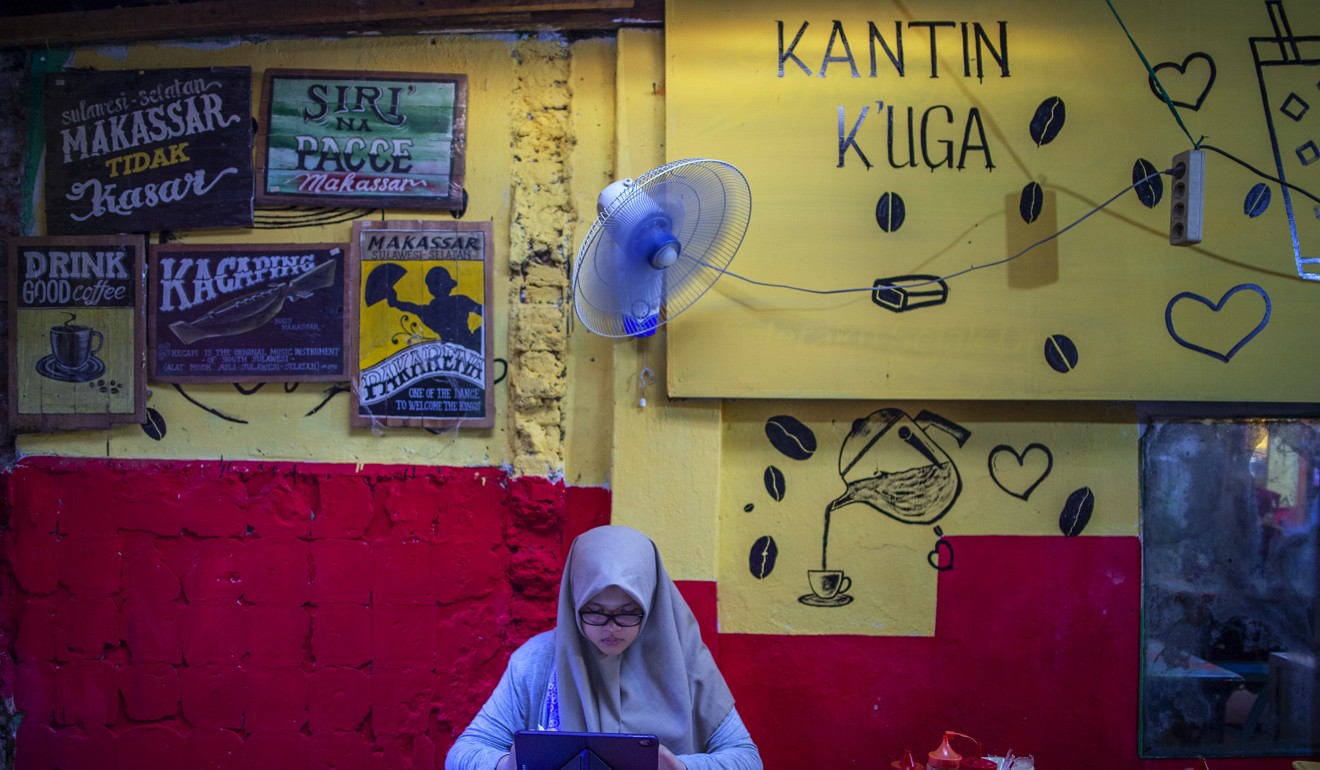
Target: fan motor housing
(654, 238)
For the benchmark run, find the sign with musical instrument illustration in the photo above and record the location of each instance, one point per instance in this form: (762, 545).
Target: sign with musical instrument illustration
(76, 332)
(148, 150)
(420, 325)
(248, 312)
(372, 139)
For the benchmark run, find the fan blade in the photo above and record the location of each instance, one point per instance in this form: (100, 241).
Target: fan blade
(621, 288)
(660, 245)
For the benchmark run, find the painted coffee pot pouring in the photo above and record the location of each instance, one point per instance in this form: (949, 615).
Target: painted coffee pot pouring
(889, 462)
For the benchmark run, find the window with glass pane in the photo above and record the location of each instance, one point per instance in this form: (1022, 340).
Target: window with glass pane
(1230, 619)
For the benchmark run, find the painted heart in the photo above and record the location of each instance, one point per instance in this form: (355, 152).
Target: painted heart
(942, 557)
(1020, 473)
(1215, 307)
(1182, 83)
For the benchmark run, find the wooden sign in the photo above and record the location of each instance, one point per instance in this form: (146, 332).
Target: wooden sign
(148, 150)
(382, 139)
(420, 324)
(249, 313)
(77, 353)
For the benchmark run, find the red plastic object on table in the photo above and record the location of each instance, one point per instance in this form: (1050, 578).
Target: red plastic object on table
(908, 762)
(945, 758)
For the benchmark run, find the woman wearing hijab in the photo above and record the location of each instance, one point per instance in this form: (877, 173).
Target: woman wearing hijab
(626, 656)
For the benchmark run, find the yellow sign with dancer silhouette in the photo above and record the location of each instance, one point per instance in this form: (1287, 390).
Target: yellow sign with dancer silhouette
(423, 343)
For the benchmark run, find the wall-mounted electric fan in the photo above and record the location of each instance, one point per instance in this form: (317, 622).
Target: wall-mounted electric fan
(658, 244)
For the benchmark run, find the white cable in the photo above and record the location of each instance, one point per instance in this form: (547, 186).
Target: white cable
(1042, 241)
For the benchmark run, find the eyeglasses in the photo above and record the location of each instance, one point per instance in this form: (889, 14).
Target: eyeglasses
(621, 619)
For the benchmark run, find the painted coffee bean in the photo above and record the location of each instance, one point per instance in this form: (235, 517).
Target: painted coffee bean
(155, 425)
(749, 508)
(1258, 199)
(761, 559)
(1029, 205)
(1061, 353)
(1077, 512)
(1048, 121)
(890, 212)
(791, 437)
(774, 483)
(1149, 186)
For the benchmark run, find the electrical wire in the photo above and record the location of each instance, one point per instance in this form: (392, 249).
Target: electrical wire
(1154, 78)
(1042, 241)
(1196, 144)
(1260, 173)
(645, 377)
(1005, 260)
(1164, 95)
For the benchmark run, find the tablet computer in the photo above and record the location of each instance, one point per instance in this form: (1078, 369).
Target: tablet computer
(549, 750)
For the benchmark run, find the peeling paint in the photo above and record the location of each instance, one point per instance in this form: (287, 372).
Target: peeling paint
(541, 223)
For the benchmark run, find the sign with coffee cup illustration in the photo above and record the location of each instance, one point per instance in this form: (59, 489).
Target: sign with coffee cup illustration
(76, 332)
(148, 150)
(383, 139)
(248, 312)
(420, 324)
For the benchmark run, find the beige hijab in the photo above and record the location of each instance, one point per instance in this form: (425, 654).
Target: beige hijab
(666, 682)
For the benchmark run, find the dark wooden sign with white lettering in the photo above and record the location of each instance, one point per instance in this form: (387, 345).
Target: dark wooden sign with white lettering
(373, 139)
(148, 150)
(77, 332)
(248, 312)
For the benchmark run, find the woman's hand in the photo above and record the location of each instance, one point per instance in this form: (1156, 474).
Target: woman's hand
(668, 761)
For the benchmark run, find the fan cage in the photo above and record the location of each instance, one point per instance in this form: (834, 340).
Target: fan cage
(616, 291)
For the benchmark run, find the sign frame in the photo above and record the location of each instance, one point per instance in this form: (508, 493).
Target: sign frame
(148, 150)
(270, 280)
(351, 101)
(74, 376)
(402, 344)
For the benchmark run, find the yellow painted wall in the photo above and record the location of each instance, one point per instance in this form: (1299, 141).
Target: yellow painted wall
(587, 449)
(616, 122)
(1014, 473)
(979, 359)
(550, 434)
(666, 459)
(686, 467)
(1106, 284)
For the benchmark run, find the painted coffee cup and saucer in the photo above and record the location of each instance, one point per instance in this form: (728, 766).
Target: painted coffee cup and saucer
(72, 355)
(829, 588)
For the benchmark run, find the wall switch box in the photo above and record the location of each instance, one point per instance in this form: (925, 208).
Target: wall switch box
(1187, 203)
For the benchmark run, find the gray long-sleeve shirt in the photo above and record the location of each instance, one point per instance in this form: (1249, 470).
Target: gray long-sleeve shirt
(516, 704)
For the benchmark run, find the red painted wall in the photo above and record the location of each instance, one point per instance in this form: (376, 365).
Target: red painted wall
(218, 615)
(1035, 650)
